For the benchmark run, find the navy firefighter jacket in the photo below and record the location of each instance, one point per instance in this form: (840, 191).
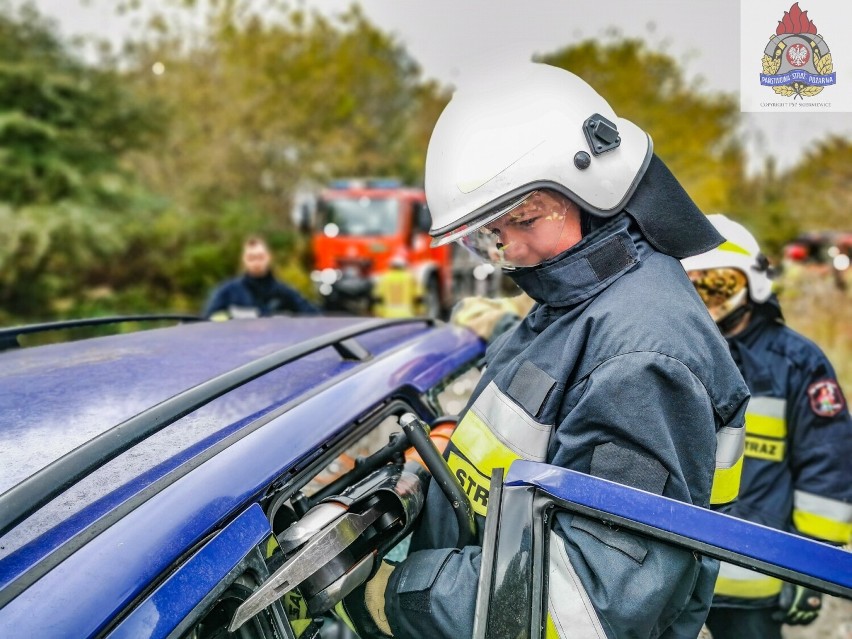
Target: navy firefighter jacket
(618, 371)
(256, 296)
(797, 474)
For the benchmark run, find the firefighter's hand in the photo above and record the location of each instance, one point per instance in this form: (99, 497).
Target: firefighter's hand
(798, 605)
(364, 609)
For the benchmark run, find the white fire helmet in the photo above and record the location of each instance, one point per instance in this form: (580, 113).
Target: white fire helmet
(727, 274)
(533, 128)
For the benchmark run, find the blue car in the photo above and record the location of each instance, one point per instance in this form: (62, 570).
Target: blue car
(213, 479)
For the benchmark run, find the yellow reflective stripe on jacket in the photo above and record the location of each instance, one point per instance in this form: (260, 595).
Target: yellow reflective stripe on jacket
(474, 483)
(730, 443)
(480, 446)
(763, 448)
(492, 434)
(398, 291)
(822, 517)
(734, 581)
(570, 611)
(765, 417)
(483, 452)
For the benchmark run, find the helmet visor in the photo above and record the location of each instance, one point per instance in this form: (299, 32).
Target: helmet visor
(721, 289)
(526, 232)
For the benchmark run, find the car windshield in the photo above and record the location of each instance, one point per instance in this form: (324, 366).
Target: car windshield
(362, 216)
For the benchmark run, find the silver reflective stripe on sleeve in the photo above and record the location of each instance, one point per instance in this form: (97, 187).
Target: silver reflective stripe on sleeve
(822, 517)
(571, 610)
(508, 421)
(766, 417)
(730, 444)
(769, 406)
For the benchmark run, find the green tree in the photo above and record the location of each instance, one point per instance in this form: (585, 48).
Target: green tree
(819, 187)
(262, 101)
(64, 199)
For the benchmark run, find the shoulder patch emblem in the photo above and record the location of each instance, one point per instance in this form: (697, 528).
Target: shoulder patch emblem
(826, 398)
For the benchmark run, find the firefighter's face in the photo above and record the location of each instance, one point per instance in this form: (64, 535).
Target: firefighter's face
(545, 225)
(256, 259)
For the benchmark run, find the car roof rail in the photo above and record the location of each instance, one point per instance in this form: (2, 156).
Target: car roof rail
(9, 336)
(23, 499)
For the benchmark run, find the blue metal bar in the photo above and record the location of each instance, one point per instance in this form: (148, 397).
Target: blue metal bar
(773, 552)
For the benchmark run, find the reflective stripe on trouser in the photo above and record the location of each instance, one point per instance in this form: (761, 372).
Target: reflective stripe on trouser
(730, 443)
(492, 434)
(734, 581)
(822, 517)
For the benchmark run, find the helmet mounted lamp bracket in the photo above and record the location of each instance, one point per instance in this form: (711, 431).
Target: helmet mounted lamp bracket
(601, 134)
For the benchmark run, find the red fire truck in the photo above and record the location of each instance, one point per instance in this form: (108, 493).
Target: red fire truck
(359, 225)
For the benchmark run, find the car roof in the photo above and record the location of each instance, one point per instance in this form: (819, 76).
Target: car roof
(56, 397)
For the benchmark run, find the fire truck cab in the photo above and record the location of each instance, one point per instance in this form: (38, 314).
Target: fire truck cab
(358, 226)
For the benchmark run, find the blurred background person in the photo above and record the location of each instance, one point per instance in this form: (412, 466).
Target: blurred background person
(397, 292)
(796, 472)
(256, 293)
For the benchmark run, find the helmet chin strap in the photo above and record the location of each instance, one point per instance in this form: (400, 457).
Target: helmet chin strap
(730, 322)
(585, 223)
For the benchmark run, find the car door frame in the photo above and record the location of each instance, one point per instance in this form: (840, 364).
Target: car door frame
(512, 590)
(182, 599)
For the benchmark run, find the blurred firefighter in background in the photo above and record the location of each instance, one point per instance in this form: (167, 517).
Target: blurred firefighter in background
(796, 473)
(397, 292)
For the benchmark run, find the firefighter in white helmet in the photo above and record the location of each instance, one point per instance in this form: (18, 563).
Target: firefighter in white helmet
(617, 371)
(796, 473)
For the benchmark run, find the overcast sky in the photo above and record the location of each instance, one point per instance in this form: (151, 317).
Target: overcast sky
(453, 39)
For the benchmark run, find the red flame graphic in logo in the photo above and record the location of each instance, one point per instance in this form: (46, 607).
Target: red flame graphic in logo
(795, 21)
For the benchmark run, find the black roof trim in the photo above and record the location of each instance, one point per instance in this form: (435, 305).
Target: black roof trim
(19, 502)
(9, 336)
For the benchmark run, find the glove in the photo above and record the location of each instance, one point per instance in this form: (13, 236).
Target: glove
(798, 605)
(482, 314)
(363, 610)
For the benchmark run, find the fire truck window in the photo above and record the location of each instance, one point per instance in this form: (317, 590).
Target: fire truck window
(360, 216)
(422, 219)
